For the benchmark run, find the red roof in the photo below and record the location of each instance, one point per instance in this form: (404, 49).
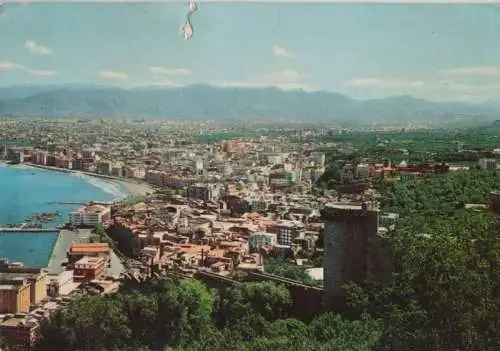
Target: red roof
(92, 247)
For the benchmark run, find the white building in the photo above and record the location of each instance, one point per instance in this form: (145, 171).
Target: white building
(90, 216)
(257, 240)
(487, 163)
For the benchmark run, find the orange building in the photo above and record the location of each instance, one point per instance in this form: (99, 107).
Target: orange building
(78, 251)
(89, 268)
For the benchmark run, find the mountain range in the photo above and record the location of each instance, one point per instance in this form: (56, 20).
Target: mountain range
(201, 102)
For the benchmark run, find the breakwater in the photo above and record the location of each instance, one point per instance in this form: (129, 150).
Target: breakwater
(29, 230)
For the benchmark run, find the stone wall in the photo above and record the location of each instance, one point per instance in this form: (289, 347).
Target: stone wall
(380, 263)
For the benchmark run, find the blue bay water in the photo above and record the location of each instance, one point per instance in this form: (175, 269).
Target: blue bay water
(33, 249)
(25, 191)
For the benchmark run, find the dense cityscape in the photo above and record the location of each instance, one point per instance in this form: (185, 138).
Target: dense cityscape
(277, 228)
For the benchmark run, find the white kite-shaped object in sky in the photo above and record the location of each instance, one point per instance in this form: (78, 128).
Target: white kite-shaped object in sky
(187, 28)
(193, 6)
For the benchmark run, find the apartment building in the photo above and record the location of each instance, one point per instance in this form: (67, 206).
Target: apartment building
(79, 251)
(286, 231)
(260, 239)
(21, 289)
(205, 192)
(88, 268)
(104, 167)
(90, 216)
(348, 173)
(362, 171)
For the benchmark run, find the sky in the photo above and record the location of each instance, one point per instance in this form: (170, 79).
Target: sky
(445, 52)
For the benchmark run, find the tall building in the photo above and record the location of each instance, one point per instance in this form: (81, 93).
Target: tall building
(90, 216)
(495, 201)
(21, 289)
(89, 268)
(205, 192)
(348, 228)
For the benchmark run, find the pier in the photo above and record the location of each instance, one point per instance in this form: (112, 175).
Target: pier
(29, 230)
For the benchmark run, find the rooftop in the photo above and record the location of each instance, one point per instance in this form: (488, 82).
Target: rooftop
(8, 287)
(91, 247)
(89, 260)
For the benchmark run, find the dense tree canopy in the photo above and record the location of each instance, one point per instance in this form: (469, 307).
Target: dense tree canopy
(445, 293)
(181, 314)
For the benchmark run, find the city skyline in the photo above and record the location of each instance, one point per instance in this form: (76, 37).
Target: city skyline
(435, 52)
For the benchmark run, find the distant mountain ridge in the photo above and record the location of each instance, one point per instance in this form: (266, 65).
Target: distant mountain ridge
(198, 102)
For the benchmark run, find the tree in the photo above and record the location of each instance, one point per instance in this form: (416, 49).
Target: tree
(126, 242)
(185, 309)
(445, 292)
(332, 174)
(335, 333)
(88, 323)
(267, 299)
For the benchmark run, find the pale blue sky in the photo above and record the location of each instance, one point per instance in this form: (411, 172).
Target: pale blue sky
(438, 52)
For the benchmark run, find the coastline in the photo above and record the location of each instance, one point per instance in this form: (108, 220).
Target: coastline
(133, 187)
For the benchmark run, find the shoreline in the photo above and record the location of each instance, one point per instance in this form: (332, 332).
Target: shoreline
(133, 187)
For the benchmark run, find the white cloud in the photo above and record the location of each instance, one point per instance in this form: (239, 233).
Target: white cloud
(284, 80)
(164, 82)
(6, 65)
(282, 52)
(363, 82)
(290, 80)
(108, 74)
(288, 76)
(371, 82)
(37, 48)
(474, 71)
(41, 72)
(264, 84)
(169, 71)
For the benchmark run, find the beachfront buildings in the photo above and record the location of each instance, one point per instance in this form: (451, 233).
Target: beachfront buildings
(90, 216)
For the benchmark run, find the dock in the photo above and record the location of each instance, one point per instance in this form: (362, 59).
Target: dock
(29, 230)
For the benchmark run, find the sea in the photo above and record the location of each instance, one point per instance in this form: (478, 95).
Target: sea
(25, 191)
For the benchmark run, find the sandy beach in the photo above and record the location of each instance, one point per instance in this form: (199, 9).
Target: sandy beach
(134, 187)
